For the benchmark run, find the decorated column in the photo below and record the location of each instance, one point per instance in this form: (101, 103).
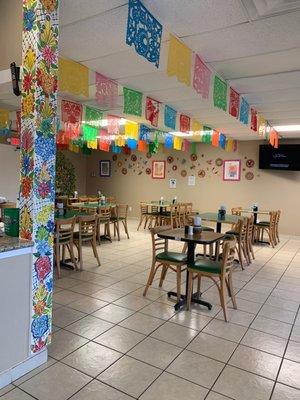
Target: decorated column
(37, 155)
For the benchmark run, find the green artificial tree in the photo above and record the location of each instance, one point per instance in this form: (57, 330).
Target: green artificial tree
(65, 180)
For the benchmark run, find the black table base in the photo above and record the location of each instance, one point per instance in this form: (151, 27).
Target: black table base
(183, 301)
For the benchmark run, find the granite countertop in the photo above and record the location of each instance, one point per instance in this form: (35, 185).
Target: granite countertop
(8, 243)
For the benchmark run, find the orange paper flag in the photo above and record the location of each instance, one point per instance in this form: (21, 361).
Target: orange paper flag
(215, 139)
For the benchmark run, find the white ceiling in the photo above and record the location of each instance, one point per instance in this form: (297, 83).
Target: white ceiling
(254, 44)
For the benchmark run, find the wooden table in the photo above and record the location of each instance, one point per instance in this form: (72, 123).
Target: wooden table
(206, 238)
(255, 213)
(92, 205)
(213, 217)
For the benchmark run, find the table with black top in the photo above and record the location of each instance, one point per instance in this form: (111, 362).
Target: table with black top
(206, 238)
(213, 217)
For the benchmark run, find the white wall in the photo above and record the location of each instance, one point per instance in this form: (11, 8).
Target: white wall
(9, 172)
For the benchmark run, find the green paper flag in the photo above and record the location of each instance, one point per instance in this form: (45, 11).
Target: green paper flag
(93, 116)
(132, 102)
(220, 93)
(90, 132)
(193, 148)
(85, 150)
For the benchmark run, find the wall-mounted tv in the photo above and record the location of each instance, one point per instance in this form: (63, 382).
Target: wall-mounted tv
(286, 157)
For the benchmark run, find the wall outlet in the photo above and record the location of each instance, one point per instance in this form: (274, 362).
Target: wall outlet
(130, 209)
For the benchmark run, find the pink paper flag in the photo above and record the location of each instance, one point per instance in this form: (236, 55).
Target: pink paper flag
(234, 103)
(113, 124)
(185, 145)
(106, 91)
(201, 80)
(152, 111)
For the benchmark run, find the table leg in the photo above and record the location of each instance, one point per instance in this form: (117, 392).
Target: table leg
(219, 227)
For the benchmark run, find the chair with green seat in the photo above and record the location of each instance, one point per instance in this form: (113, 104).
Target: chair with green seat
(220, 272)
(267, 226)
(63, 238)
(165, 259)
(104, 215)
(119, 214)
(240, 233)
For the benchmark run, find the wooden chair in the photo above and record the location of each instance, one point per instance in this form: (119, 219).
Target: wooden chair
(83, 199)
(240, 233)
(154, 217)
(144, 215)
(120, 215)
(64, 238)
(236, 210)
(181, 214)
(163, 258)
(171, 217)
(93, 199)
(188, 213)
(111, 200)
(104, 215)
(269, 227)
(250, 233)
(86, 234)
(277, 226)
(220, 272)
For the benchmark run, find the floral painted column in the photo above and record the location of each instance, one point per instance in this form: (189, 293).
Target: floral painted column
(38, 131)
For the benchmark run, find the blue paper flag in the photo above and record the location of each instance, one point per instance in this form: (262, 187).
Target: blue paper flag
(169, 141)
(244, 112)
(132, 144)
(144, 133)
(170, 117)
(116, 149)
(222, 141)
(143, 31)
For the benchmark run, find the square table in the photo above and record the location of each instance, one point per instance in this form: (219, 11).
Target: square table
(204, 237)
(255, 213)
(213, 217)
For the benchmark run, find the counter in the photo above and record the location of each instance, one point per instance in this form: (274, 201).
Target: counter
(15, 310)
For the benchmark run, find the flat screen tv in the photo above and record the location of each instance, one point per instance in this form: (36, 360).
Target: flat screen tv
(286, 157)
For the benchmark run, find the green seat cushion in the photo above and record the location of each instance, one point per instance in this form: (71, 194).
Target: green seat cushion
(232, 232)
(171, 256)
(115, 218)
(264, 223)
(207, 229)
(206, 265)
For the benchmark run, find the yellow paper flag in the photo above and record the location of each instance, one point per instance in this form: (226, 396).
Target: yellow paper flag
(73, 147)
(92, 144)
(73, 77)
(197, 127)
(229, 145)
(131, 130)
(120, 141)
(4, 118)
(179, 60)
(262, 125)
(177, 143)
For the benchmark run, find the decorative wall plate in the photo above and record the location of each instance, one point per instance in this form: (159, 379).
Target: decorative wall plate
(119, 164)
(133, 157)
(174, 167)
(148, 171)
(249, 176)
(124, 171)
(170, 159)
(193, 157)
(114, 157)
(201, 173)
(183, 173)
(250, 163)
(219, 162)
(148, 155)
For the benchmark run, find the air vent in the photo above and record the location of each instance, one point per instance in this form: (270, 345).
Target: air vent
(265, 8)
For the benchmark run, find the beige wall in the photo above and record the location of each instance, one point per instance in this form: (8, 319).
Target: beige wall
(271, 189)
(10, 32)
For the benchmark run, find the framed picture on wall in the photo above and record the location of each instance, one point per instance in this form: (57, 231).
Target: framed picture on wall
(105, 168)
(158, 169)
(232, 170)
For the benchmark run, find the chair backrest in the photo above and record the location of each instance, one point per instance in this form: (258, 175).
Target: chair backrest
(92, 199)
(143, 208)
(278, 213)
(122, 210)
(242, 228)
(64, 230)
(159, 244)
(87, 227)
(90, 210)
(189, 208)
(250, 227)
(236, 211)
(104, 214)
(273, 219)
(228, 254)
(111, 200)
(83, 199)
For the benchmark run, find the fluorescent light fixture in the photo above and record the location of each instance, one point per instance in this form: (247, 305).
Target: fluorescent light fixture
(287, 128)
(104, 122)
(181, 134)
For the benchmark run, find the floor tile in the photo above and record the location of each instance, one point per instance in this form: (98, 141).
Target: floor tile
(108, 294)
(196, 368)
(251, 296)
(134, 303)
(35, 371)
(92, 358)
(159, 310)
(57, 382)
(66, 296)
(216, 396)
(120, 339)
(225, 330)
(283, 392)
(99, 391)
(271, 312)
(113, 313)
(289, 374)
(130, 376)
(16, 394)
(265, 342)
(142, 323)
(242, 385)
(65, 316)
(246, 305)
(88, 305)
(89, 327)
(190, 320)
(175, 334)
(283, 304)
(237, 317)
(293, 351)
(155, 352)
(63, 343)
(65, 283)
(256, 361)
(170, 387)
(272, 326)
(6, 389)
(212, 346)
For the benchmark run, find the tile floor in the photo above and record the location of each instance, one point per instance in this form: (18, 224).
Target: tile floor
(111, 343)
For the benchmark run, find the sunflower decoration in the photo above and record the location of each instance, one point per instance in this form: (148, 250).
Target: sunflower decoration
(250, 163)
(148, 155)
(148, 171)
(219, 162)
(193, 157)
(170, 159)
(124, 171)
(174, 167)
(183, 173)
(249, 176)
(133, 157)
(201, 173)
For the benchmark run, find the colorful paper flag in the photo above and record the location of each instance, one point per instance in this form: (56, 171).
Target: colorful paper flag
(234, 103)
(179, 60)
(120, 141)
(113, 124)
(185, 123)
(104, 146)
(71, 115)
(222, 141)
(253, 113)
(215, 138)
(144, 32)
(90, 133)
(116, 149)
(185, 145)
(193, 148)
(169, 141)
(132, 102)
(220, 93)
(132, 143)
(177, 143)
(132, 130)
(73, 77)
(4, 118)
(196, 127)
(93, 116)
(170, 117)
(142, 146)
(229, 145)
(201, 80)
(144, 133)
(244, 111)
(262, 125)
(92, 144)
(152, 111)
(106, 91)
